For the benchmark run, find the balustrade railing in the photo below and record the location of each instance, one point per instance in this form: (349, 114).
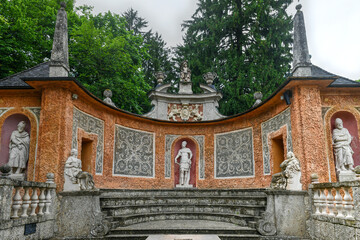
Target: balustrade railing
(335, 199)
(28, 199)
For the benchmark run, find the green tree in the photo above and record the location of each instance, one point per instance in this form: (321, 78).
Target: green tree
(246, 42)
(26, 32)
(103, 54)
(159, 55)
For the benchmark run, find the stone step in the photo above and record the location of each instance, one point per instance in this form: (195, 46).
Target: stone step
(181, 192)
(222, 237)
(238, 219)
(212, 231)
(183, 229)
(254, 210)
(210, 200)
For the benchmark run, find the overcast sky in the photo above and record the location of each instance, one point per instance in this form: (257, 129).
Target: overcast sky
(333, 27)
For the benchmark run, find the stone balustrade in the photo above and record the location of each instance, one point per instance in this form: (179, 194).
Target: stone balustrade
(337, 200)
(26, 199)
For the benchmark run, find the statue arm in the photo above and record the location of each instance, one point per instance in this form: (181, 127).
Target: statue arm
(178, 155)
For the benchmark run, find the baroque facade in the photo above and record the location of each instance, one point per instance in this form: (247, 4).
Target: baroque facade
(132, 156)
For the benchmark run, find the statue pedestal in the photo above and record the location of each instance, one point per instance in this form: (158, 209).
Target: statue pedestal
(184, 186)
(69, 185)
(347, 176)
(17, 176)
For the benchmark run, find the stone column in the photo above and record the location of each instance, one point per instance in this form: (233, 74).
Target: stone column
(55, 133)
(308, 133)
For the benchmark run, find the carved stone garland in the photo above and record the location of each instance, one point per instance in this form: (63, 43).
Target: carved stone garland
(185, 112)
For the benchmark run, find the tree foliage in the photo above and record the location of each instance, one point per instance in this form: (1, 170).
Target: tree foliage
(246, 42)
(26, 32)
(107, 51)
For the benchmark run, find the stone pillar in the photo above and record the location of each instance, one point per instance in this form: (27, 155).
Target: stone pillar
(308, 133)
(6, 192)
(55, 133)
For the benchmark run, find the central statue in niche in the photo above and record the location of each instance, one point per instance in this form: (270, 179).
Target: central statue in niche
(185, 165)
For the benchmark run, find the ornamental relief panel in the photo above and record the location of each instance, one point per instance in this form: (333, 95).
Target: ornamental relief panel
(92, 125)
(134, 153)
(272, 125)
(234, 154)
(185, 112)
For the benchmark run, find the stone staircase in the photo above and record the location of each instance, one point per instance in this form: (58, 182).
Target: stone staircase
(229, 214)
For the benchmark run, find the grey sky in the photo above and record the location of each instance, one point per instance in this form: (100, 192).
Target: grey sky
(333, 27)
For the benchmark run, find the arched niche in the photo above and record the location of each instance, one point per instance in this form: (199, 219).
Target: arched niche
(10, 125)
(194, 149)
(350, 123)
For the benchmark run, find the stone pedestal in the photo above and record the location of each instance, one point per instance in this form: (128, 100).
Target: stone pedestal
(184, 186)
(347, 176)
(69, 185)
(294, 182)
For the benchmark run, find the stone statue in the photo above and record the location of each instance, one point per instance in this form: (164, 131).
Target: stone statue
(185, 165)
(185, 74)
(73, 166)
(292, 172)
(75, 178)
(19, 149)
(86, 181)
(257, 96)
(289, 177)
(108, 94)
(341, 143)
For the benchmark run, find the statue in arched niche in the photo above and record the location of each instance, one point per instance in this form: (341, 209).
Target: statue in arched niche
(341, 143)
(19, 149)
(185, 155)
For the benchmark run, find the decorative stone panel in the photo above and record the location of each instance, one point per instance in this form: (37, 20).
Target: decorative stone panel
(234, 154)
(324, 110)
(134, 153)
(3, 110)
(272, 125)
(93, 125)
(169, 139)
(35, 111)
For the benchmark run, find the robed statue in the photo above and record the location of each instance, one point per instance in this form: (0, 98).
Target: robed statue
(341, 144)
(19, 149)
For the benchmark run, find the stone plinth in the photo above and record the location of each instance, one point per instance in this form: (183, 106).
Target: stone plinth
(347, 176)
(184, 186)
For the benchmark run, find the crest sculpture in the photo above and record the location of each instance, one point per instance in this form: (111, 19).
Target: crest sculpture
(185, 105)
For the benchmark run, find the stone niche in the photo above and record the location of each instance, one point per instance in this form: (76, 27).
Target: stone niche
(10, 124)
(350, 123)
(192, 146)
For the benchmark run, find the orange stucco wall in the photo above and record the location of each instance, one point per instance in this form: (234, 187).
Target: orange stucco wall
(311, 136)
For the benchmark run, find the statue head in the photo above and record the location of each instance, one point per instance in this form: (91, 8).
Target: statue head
(184, 64)
(21, 126)
(107, 93)
(183, 144)
(338, 123)
(74, 152)
(290, 155)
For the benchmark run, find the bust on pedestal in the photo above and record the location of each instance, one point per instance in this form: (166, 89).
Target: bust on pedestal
(343, 152)
(185, 166)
